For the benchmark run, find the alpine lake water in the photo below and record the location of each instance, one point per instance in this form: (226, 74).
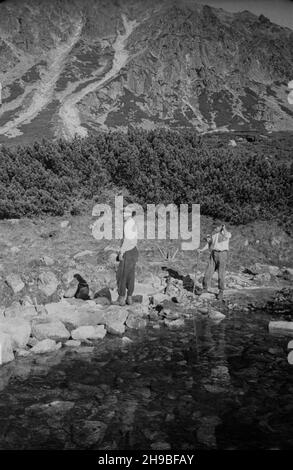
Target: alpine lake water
(205, 386)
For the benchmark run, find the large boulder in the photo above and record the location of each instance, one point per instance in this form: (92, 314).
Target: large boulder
(16, 310)
(281, 327)
(259, 268)
(216, 315)
(15, 282)
(71, 289)
(47, 283)
(115, 328)
(6, 349)
(75, 312)
(53, 330)
(115, 318)
(89, 332)
(46, 346)
(18, 329)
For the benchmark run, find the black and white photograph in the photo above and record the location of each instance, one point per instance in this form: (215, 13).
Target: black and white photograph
(146, 231)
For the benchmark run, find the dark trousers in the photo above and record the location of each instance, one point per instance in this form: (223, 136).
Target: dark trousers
(126, 272)
(217, 262)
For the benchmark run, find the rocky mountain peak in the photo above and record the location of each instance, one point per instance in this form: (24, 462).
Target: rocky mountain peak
(74, 67)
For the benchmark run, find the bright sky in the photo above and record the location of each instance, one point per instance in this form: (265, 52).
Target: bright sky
(278, 11)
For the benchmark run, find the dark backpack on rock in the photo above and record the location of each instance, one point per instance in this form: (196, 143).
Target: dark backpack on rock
(83, 288)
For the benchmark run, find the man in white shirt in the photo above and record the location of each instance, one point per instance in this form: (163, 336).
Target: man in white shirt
(128, 256)
(219, 246)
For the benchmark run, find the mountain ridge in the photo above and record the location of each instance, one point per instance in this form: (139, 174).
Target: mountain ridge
(179, 65)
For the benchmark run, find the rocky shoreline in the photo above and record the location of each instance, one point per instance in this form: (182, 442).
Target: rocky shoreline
(164, 300)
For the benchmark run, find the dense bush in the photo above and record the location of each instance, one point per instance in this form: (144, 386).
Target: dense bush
(236, 184)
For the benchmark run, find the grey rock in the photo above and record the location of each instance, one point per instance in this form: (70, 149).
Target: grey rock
(22, 352)
(76, 312)
(47, 261)
(102, 301)
(259, 268)
(139, 310)
(115, 318)
(32, 341)
(72, 289)
(64, 223)
(72, 343)
(159, 298)
(89, 332)
(46, 346)
(18, 329)
(6, 349)
(15, 282)
(56, 409)
(68, 276)
(15, 310)
(126, 340)
(263, 278)
(281, 327)
(174, 324)
(115, 327)
(53, 330)
(48, 283)
(216, 315)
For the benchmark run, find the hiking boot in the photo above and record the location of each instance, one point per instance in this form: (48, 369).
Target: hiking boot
(129, 300)
(120, 301)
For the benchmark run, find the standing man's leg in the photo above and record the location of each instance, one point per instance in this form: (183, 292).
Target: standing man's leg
(130, 280)
(223, 256)
(121, 282)
(207, 280)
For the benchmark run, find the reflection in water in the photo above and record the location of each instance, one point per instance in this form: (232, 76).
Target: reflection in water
(209, 385)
